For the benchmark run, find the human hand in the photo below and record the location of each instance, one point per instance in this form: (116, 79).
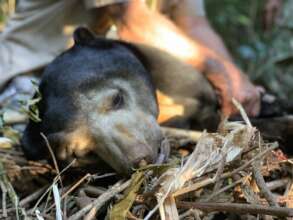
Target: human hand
(246, 94)
(231, 83)
(141, 25)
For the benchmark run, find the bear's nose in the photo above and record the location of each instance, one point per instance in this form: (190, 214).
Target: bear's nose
(142, 162)
(141, 154)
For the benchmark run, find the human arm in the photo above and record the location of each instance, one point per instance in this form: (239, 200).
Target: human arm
(138, 24)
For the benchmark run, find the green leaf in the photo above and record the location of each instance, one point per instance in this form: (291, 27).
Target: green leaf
(30, 106)
(120, 210)
(158, 170)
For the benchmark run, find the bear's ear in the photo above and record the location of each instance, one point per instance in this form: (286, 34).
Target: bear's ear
(83, 35)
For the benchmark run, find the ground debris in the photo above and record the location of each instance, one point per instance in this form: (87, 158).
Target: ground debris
(228, 173)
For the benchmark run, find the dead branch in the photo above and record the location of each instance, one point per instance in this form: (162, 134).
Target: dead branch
(248, 163)
(237, 208)
(218, 181)
(101, 200)
(51, 153)
(277, 183)
(262, 184)
(56, 179)
(75, 185)
(224, 189)
(32, 197)
(191, 212)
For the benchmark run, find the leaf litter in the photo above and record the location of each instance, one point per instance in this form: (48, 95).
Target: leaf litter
(232, 172)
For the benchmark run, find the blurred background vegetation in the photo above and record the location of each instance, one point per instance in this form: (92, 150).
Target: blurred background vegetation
(267, 56)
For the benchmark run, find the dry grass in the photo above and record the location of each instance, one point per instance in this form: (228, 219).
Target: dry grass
(232, 171)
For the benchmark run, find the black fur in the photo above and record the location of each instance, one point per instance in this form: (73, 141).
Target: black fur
(88, 63)
(76, 84)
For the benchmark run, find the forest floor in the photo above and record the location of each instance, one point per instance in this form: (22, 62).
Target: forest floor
(230, 174)
(235, 173)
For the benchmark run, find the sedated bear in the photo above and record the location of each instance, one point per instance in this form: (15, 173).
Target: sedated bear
(99, 98)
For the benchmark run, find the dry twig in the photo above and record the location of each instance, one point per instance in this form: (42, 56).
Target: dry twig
(4, 193)
(224, 189)
(175, 132)
(237, 208)
(262, 185)
(32, 197)
(101, 200)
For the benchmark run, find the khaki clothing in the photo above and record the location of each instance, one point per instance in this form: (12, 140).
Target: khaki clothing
(195, 7)
(101, 3)
(39, 31)
(42, 29)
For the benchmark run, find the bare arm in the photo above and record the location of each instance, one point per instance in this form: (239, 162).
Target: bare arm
(138, 24)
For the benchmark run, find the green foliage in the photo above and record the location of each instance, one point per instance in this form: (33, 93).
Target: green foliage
(267, 56)
(120, 210)
(240, 25)
(30, 106)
